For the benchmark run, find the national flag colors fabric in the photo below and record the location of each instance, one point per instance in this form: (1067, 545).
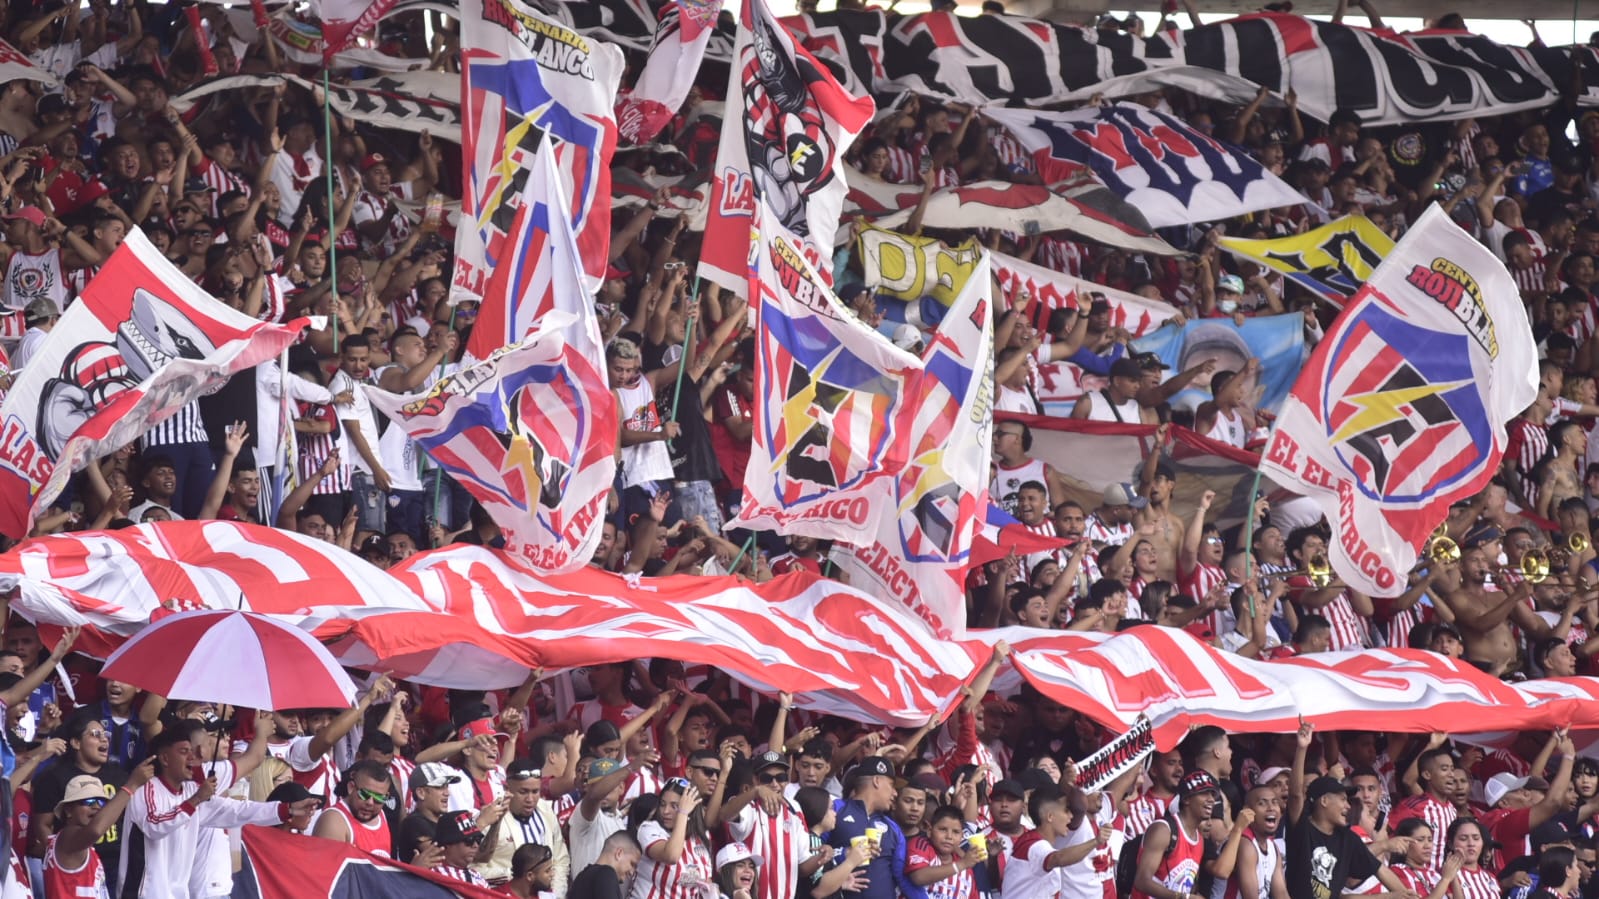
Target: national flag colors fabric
(142, 341)
(1174, 174)
(933, 508)
(281, 865)
(1331, 261)
(529, 83)
(1402, 407)
(830, 393)
(787, 126)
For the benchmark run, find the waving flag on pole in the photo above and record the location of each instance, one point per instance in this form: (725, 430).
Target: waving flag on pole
(141, 343)
(934, 506)
(531, 431)
(345, 20)
(1401, 410)
(524, 76)
(684, 31)
(829, 393)
(1333, 260)
(787, 126)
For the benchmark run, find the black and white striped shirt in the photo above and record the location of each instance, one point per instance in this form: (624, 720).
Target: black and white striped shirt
(184, 427)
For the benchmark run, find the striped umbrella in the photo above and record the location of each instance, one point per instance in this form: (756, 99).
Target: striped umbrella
(238, 658)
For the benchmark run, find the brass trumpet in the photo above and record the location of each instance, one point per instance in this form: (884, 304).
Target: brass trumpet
(1534, 566)
(1318, 569)
(1575, 545)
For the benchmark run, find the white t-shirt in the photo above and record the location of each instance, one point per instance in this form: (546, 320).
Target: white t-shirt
(355, 415)
(1025, 878)
(587, 837)
(400, 455)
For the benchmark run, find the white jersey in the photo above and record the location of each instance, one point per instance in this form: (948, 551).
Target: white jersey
(1229, 429)
(161, 836)
(1100, 408)
(35, 277)
(1002, 490)
(400, 455)
(643, 462)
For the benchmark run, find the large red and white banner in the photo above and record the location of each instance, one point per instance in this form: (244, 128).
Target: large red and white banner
(1401, 410)
(470, 617)
(788, 123)
(141, 342)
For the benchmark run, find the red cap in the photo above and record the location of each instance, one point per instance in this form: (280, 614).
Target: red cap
(474, 729)
(372, 159)
(28, 214)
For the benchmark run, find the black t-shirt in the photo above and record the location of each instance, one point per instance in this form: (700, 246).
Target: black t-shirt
(413, 830)
(693, 458)
(1319, 865)
(50, 786)
(597, 881)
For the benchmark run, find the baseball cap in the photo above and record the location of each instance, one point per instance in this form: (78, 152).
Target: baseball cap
(771, 758)
(614, 272)
(196, 185)
(1327, 786)
(1197, 782)
(1230, 284)
(1481, 535)
(1149, 362)
(372, 159)
(734, 853)
(292, 792)
(1008, 787)
(1267, 775)
(433, 774)
(1126, 368)
(373, 544)
(39, 310)
(478, 728)
(872, 766)
(457, 827)
(907, 336)
(1035, 779)
(601, 767)
(850, 291)
(79, 789)
(1501, 785)
(32, 214)
(1124, 494)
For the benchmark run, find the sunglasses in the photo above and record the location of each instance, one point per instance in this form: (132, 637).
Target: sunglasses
(709, 772)
(372, 795)
(778, 778)
(93, 803)
(677, 783)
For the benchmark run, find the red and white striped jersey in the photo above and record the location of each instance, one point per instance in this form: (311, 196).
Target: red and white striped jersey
(1198, 583)
(400, 769)
(685, 879)
(1144, 810)
(1100, 531)
(320, 775)
(781, 840)
(1527, 445)
(1421, 880)
(88, 879)
(921, 854)
(1438, 815)
(1059, 255)
(1478, 883)
(462, 875)
(313, 449)
(901, 165)
(1349, 629)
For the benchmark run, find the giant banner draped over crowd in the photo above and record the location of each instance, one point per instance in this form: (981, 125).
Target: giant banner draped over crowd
(472, 617)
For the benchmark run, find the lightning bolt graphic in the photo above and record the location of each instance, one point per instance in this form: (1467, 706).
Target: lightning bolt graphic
(1380, 407)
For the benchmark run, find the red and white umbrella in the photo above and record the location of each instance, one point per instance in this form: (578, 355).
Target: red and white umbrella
(238, 658)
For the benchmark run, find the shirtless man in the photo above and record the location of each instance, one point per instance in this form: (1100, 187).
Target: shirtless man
(1484, 616)
(1157, 482)
(1562, 475)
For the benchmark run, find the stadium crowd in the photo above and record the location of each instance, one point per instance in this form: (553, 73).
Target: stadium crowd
(646, 780)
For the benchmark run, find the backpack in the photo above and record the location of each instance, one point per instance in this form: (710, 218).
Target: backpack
(1127, 862)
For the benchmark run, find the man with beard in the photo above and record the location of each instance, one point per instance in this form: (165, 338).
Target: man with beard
(1165, 773)
(358, 817)
(1157, 481)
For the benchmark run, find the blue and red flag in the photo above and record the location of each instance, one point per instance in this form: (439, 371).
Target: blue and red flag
(282, 865)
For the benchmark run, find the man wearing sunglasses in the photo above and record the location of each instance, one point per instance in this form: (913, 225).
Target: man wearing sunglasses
(358, 818)
(530, 820)
(460, 839)
(769, 823)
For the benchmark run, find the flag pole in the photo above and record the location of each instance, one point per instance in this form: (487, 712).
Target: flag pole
(733, 565)
(438, 473)
(1249, 518)
(333, 217)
